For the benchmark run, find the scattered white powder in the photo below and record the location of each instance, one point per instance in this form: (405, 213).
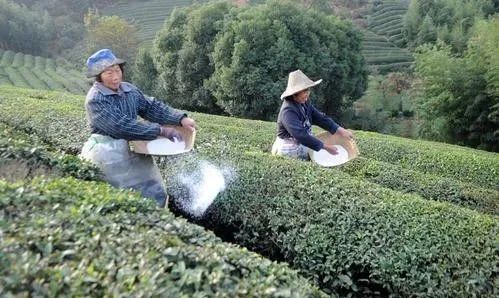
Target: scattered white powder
(203, 186)
(326, 159)
(163, 146)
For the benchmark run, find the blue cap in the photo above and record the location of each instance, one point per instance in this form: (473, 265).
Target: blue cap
(101, 60)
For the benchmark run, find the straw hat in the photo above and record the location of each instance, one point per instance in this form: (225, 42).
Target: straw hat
(298, 81)
(335, 139)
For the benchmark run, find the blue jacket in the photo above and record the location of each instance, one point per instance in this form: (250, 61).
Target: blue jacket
(296, 120)
(115, 114)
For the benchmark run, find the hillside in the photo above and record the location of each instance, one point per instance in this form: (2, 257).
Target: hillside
(148, 16)
(27, 71)
(419, 213)
(383, 38)
(382, 55)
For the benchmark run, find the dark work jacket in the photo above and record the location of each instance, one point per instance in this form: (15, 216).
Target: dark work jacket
(295, 120)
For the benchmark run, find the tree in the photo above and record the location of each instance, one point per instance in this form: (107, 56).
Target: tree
(111, 32)
(182, 53)
(144, 72)
(260, 45)
(218, 58)
(460, 95)
(24, 30)
(427, 32)
(448, 20)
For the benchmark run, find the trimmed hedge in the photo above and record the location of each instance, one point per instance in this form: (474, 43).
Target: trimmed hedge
(28, 71)
(349, 236)
(148, 16)
(4, 78)
(353, 237)
(52, 84)
(40, 63)
(32, 79)
(415, 166)
(388, 59)
(386, 68)
(377, 22)
(428, 186)
(29, 61)
(461, 163)
(71, 238)
(386, 25)
(18, 60)
(7, 58)
(23, 157)
(16, 78)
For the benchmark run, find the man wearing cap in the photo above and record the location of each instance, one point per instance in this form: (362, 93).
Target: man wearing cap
(112, 108)
(296, 117)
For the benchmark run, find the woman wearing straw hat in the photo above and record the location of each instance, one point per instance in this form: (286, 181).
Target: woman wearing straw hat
(112, 108)
(296, 117)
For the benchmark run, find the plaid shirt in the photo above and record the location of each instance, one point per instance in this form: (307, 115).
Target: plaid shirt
(115, 114)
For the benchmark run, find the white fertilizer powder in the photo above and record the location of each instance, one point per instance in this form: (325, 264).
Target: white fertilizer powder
(203, 185)
(326, 159)
(163, 146)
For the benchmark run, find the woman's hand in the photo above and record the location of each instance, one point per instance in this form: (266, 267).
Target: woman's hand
(170, 133)
(344, 133)
(331, 149)
(188, 123)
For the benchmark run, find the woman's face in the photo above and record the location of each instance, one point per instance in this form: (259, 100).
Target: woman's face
(111, 77)
(302, 96)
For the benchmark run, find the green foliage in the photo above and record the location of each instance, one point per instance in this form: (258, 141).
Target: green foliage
(386, 19)
(383, 55)
(44, 28)
(327, 219)
(148, 16)
(442, 162)
(66, 237)
(206, 58)
(427, 32)
(262, 44)
(387, 100)
(182, 53)
(459, 95)
(428, 186)
(27, 71)
(22, 156)
(353, 237)
(23, 30)
(111, 32)
(459, 163)
(144, 72)
(483, 53)
(447, 20)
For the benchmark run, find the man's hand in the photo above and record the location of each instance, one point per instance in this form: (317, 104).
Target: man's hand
(344, 133)
(188, 123)
(331, 149)
(170, 133)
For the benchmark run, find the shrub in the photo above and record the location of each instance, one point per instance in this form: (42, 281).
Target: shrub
(349, 236)
(71, 238)
(353, 237)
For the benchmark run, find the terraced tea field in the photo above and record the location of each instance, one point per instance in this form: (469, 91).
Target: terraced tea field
(27, 71)
(148, 16)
